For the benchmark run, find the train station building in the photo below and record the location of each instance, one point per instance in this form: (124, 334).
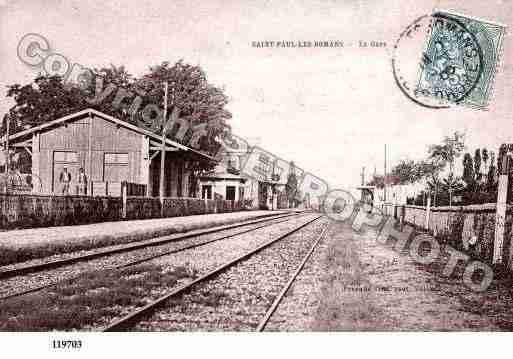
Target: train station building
(263, 187)
(108, 151)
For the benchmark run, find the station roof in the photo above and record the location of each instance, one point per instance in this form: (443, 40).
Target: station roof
(222, 174)
(90, 111)
(366, 187)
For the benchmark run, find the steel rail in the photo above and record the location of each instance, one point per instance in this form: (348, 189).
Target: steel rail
(9, 273)
(279, 298)
(154, 256)
(132, 318)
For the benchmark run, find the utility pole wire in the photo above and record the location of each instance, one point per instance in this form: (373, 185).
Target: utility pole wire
(385, 178)
(6, 164)
(163, 153)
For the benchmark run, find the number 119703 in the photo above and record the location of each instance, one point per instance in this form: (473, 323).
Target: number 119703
(66, 344)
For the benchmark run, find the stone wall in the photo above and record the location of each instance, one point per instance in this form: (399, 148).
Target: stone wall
(415, 215)
(470, 229)
(26, 211)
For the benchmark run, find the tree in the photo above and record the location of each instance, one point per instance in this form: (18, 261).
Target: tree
(44, 100)
(199, 103)
(468, 171)
(477, 168)
(291, 185)
(491, 177)
(16, 157)
(122, 81)
(48, 97)
(448, 150)
(481, 186)
(406, 171)
(485, 156)
(430, 169)
(192, 98)
(452, 183)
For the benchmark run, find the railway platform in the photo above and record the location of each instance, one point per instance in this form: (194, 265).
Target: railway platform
(46, 241)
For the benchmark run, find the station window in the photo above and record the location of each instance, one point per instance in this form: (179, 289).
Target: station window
(65, 156)
(116, 158)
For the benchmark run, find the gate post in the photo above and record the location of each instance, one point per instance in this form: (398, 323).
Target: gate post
(123, 197)
(428, 212)
(500, 213)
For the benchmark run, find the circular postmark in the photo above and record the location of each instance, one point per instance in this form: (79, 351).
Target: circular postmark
(338, 205)
(450, 66)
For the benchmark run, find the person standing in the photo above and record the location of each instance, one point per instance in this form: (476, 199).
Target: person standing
(82, 182)
(65, 180)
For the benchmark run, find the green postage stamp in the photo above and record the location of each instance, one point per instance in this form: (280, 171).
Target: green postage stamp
(460, 60)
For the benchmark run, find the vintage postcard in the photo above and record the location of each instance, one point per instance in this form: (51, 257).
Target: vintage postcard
(299, 166)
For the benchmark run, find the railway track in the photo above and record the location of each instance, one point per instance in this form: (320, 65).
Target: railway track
(130, 320)
(267, 317)
(51, 265)
(8, 273)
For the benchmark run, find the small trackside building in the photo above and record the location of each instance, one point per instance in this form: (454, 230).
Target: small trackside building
(110, 151)
(221, 184)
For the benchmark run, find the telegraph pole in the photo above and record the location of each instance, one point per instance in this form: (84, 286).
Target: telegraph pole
(363, 176)
(500, 213)
(163, 152)
(385, 178)
(272, 186)
(6, 144)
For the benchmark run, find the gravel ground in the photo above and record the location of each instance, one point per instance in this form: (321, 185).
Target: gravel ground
(201, 260)
(299, 305)
(238, 298)
(353, 283)
(407, 296)
(22, 283)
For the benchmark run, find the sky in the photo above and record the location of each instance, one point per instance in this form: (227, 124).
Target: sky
(331, 110)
